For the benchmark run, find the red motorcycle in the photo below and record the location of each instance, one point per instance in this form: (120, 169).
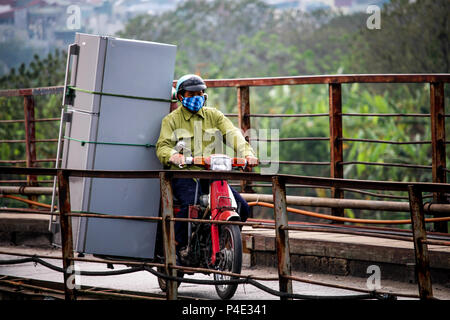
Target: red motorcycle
(214, 246)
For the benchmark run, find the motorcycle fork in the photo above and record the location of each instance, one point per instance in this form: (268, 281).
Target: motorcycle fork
(219, 198)
(215, 243)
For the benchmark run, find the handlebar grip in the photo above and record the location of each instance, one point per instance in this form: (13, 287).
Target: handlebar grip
(239, 162)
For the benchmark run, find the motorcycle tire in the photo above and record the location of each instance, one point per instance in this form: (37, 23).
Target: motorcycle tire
(231, 256)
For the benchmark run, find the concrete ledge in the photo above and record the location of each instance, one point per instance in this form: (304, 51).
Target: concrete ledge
(27, 230)
(314, 252)
(346, 255)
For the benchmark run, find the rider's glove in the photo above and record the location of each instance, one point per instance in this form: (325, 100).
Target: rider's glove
(177, 159)
(251, 161)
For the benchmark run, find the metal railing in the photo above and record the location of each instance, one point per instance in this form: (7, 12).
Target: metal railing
(336, 162)
(29, 121)
(281, 225)
(437, 118)
(336, 184)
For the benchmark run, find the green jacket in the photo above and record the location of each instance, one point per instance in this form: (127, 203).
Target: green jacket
(204, 133)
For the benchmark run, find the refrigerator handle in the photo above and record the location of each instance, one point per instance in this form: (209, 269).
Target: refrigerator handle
(74, 50)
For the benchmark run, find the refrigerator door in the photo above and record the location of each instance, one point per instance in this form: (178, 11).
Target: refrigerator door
(135, 197)
(126, 125)
(82, 127)
(87, 71)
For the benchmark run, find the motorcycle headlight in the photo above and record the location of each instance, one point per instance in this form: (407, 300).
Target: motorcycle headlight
(220, 163)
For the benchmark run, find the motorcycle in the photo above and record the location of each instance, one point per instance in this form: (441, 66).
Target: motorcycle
(214, 246)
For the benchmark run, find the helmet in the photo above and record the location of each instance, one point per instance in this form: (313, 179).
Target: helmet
(190, 82)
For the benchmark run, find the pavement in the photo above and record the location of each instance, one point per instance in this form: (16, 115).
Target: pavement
(28, 234)
(143, 281)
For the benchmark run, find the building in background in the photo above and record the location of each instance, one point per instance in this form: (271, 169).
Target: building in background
(40, 26)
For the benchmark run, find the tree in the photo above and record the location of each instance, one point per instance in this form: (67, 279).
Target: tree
(209, 34)
(414, 38)
(38, 73)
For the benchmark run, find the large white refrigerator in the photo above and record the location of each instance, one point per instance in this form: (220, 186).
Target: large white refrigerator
(110, 128)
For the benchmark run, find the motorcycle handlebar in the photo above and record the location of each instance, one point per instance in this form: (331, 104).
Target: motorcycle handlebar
(205, 162)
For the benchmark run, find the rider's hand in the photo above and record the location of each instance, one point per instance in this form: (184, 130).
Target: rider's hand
(177, 159)
(251, 161)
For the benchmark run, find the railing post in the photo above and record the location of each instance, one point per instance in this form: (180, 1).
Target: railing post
(30, 138)
(420, 247)
(282, 235)
(437, 111)
(66, 234)
(336, 153)
(168, 233)
(243, 101)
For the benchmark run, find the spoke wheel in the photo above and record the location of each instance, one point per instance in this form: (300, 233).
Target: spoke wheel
(230, 259)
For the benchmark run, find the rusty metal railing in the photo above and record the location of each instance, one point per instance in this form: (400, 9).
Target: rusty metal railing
(437, 118)
(281, 225)
(336, 139)
(336, 162)
(29, 121)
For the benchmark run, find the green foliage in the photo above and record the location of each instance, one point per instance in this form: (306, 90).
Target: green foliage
(398, 129)
(13, 53)
(38, 73)
(48, 71)
(414, 38)
(248, 38)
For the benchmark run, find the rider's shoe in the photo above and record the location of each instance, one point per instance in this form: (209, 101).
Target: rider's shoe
(183, 256)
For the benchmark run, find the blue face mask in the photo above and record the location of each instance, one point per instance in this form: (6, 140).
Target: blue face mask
(194, 103)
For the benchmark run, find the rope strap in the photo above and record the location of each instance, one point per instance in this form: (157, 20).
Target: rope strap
(71, 89)
(83, 142)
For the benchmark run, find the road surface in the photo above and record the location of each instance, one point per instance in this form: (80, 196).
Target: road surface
(143, 281)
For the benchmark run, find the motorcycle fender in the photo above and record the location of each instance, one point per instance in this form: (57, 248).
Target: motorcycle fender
(228, 215)
(223, 216)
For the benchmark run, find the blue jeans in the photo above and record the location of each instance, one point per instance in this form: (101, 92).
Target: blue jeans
(184, 192)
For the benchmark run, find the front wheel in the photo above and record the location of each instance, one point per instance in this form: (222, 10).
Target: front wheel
(230, 259)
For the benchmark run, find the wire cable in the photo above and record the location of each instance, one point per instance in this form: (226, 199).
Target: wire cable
(241, 280)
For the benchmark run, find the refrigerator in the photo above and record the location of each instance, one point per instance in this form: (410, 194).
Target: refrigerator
(107, 128)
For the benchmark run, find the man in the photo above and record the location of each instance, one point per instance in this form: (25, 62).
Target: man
(203, 130)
